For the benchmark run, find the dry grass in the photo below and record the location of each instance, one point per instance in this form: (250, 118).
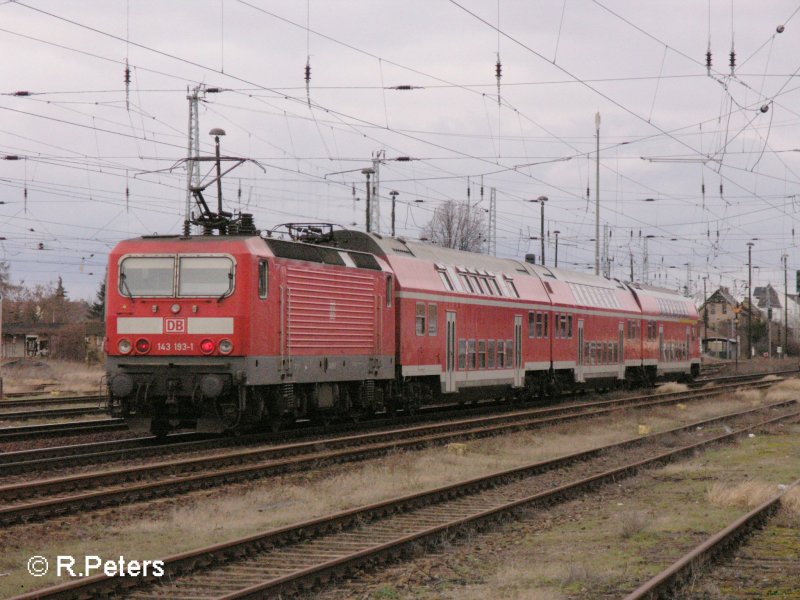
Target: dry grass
(751, 397)
(518, 580)
(791, 501)
(62, 376)
(746, 495)
(631, 523)
(672, 387)
(788, 389)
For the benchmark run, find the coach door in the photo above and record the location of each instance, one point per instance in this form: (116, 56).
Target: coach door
(581, 357)
(621, 355)
(687, 355)
(519, 372)
(450, 366)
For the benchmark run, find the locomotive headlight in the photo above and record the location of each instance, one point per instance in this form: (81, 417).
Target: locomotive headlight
(226, 346)
(207, 346)
(124, 347)
(175, 308)
(142, 346)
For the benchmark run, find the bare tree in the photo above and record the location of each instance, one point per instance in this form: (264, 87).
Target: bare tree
(457, 225)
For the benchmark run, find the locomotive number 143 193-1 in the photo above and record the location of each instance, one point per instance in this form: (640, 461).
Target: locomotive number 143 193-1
(175, 346)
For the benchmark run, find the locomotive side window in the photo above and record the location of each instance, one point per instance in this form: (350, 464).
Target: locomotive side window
(389, 290)
(433, 319)
(205, 276)
(147, 276)
(420, 321)
(263, 278)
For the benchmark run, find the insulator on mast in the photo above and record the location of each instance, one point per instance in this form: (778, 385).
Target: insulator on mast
(308, 80)
(708, 60)
(127, 85)
(733, 59)
(498, 73)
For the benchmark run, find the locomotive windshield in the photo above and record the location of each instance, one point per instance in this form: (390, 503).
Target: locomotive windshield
(205, 276)
(147, 276)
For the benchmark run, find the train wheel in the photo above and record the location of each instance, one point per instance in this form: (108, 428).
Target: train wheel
(159, 427)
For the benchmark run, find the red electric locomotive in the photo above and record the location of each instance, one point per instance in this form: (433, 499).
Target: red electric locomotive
(232, 331)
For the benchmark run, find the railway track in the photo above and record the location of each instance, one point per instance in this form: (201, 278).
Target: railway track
(26, 500)
(311, 553)
(51, 408)
(49, 430)
(752, 569)
(26, 402)
(101, 426)
(66, 457)
(28, 415)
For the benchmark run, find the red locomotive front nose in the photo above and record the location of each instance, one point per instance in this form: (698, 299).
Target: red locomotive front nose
(207, 346)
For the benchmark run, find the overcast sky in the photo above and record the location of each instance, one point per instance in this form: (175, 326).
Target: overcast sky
(667, 128)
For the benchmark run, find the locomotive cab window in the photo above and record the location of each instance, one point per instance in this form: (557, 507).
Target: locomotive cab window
(205, 276)
(147, 276)
(263, 278)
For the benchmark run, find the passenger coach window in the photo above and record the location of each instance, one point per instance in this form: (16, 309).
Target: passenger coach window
(471, 354)
(420, 318)
(433, 319)
(263, 278)
(205, 275)
(147, 276)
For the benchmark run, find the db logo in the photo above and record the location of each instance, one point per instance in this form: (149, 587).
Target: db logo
(174, 325)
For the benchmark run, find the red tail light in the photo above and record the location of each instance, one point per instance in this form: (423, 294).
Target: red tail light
(207, 346)
(142, 346)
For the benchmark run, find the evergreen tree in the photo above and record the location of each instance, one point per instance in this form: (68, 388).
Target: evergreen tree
(98, 308)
